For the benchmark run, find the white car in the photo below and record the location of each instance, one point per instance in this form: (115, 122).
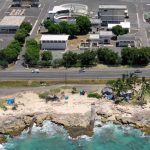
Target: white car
(35, 71)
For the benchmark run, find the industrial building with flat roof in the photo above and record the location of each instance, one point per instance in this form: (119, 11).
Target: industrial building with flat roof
(54, 42)
(112, 14)
(25, 2)
(10, 24)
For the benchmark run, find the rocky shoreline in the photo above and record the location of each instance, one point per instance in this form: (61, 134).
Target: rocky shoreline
(77, 124)
(77, 115)
(13, 126)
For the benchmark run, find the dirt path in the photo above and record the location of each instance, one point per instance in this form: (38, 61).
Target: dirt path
(10, 91)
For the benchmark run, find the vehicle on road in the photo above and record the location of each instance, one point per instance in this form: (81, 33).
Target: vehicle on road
(82, 70)
(35, 71)
(137, 71)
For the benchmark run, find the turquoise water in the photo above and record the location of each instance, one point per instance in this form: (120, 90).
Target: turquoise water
(54, 137)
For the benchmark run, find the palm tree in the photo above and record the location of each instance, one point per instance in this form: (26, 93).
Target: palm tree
(144, 89)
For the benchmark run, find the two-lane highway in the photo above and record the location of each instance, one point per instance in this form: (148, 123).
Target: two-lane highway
(68, 74)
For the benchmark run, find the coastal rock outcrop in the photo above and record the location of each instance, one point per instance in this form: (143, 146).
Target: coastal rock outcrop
(2, 138)
(12, 126)
(15, 125)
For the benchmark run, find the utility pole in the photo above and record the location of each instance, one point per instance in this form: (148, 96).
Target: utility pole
(1, 40)
(66, 75)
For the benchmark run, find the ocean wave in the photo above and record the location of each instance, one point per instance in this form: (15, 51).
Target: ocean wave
(2, 147)
(85, 137)
(48, 128)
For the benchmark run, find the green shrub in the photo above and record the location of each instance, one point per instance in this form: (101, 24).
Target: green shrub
(94, 95)
(44, 95)
(2, 104)
(32, 52)
(74, 90)
(4, 64)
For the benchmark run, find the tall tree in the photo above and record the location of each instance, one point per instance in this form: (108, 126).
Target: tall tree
(47, 23)
(27, 26)
(47, 56)
(32, 52)
(84, 24)
(73, 30)
(88, 58)
(69, 59)
(108, 56)
(118, 30)
(54, 29)
(64, 26)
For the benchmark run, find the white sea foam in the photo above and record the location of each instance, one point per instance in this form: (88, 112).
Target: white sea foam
(49, 128)
(2, 147)
(87, 138)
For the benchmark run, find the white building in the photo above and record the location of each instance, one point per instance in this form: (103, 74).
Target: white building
(10, 24)
(125, 25)
(112, 13)
(104, 37)
(68, 12)
(127, 40)
(54, 42)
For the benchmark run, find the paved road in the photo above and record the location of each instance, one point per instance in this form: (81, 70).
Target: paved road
(66, 75)
(142, 25)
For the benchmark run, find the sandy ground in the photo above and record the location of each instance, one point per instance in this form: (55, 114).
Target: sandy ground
(29, 102)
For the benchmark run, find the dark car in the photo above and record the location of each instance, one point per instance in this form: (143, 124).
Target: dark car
(82, 70)
(137, 71)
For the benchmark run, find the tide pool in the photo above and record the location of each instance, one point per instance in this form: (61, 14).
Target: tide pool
(54, 137)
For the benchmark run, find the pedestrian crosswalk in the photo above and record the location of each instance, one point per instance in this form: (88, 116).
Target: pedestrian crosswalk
(17, 12)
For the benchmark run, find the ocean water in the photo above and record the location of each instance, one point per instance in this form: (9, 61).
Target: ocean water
(54, 137)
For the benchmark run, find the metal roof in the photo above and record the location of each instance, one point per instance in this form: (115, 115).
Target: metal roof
(53, 37)
(123, 24)
(12, 21)
(106, 33)
(126, 37)
(57, 9)
(93, 36)
(112, 12)
(112, 7)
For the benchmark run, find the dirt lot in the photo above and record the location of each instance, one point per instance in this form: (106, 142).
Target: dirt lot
(74, 43)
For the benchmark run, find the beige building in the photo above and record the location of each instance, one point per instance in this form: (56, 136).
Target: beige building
(10, 24)
(103, 37)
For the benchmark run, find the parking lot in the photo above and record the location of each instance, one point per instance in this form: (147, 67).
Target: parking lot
(37, 15)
